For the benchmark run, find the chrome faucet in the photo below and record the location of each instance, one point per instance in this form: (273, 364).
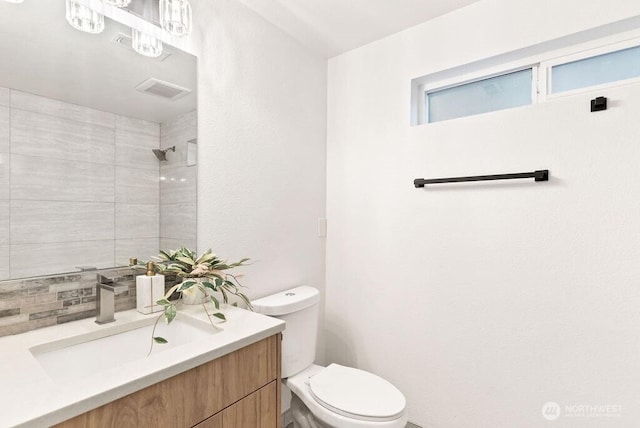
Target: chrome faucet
(106, 291)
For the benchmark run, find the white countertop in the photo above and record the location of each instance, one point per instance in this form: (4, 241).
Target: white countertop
(30, 398)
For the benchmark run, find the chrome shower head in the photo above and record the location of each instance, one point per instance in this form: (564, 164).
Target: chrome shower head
(162, 154)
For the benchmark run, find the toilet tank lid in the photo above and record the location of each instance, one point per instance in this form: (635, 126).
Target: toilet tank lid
(288, 301)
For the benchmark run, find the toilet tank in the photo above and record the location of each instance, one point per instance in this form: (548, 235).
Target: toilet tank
(298, 307)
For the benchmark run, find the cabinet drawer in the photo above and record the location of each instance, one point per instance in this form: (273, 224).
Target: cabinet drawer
(257, 410)
(214, 421)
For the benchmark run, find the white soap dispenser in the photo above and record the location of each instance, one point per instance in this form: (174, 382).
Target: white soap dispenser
(149, 289)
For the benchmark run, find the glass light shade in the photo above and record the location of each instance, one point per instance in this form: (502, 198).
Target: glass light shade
(117, 3)
(84, 19)
(145, 44)
(14, 1)
(175, 17)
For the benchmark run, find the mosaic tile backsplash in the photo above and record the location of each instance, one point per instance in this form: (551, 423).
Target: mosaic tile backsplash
(28, 304)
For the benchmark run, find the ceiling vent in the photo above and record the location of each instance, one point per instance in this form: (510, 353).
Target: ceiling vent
(162, 89)
(124, 41)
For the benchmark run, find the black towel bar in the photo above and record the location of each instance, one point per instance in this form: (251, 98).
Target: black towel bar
(539, 175)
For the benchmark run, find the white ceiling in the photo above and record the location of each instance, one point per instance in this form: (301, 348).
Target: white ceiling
(42, 54)
(332, 27)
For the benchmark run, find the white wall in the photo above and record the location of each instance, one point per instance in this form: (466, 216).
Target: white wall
(261, 147)
(481, 302)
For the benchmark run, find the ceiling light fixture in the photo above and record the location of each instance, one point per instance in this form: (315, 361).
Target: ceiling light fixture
(175, 17)
(118, 3)
(84, 19)
(145, 45)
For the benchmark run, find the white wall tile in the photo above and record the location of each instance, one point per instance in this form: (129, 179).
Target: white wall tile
(49, 221)
(185, 126)
(36, 178)
(4, 262)
(61, 194)
(52, 137)
(4, 97)
(177, 133)
(62, 176)
(60, 257)
(5, 173)
(37, 104)
(138, 186)
(173, 244)
(142, 249)
(4, 221)
(137, 221)
(178, 221)
(135, 150)
(137, 125)
(4, 145)
(178, 185)
(5, 129)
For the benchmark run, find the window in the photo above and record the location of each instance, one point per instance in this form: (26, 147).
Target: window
(596, 70)
(495, 93)
(533, 77)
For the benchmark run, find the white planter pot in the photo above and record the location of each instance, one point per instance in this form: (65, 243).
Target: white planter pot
(194, 296)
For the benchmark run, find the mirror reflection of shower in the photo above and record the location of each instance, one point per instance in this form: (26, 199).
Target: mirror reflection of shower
(162, 154)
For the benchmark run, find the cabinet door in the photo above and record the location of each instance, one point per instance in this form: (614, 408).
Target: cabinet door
(258, 410)
(214, 421)
(250, 368)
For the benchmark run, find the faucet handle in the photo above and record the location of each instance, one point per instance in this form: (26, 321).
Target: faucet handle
(104, 280)
(120, 289)
(112, 285)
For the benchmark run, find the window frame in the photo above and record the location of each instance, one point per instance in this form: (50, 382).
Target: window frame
(423, 108)
(546, 75)
(541, 66)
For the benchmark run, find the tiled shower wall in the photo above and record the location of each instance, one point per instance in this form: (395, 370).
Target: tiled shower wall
(178, 185)
(78, 187)
(76, 181)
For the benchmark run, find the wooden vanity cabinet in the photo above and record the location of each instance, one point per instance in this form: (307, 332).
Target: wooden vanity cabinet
(255, 410)
(238, 390)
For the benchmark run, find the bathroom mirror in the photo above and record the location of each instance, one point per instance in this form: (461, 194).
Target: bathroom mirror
(94, 143)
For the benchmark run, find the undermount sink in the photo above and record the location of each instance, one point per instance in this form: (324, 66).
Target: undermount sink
(87, 354)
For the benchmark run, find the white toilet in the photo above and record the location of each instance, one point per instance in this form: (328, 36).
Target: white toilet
(335, 396)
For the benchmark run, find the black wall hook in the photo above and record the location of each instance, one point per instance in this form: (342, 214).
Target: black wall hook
(599, 104)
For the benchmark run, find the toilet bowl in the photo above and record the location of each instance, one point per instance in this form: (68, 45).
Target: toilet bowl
(327, 397)
(338, 396)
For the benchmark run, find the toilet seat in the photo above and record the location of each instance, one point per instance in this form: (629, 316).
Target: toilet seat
(299, 385)
(357, 394)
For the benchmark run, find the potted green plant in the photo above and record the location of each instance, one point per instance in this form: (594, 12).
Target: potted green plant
(206, 274)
